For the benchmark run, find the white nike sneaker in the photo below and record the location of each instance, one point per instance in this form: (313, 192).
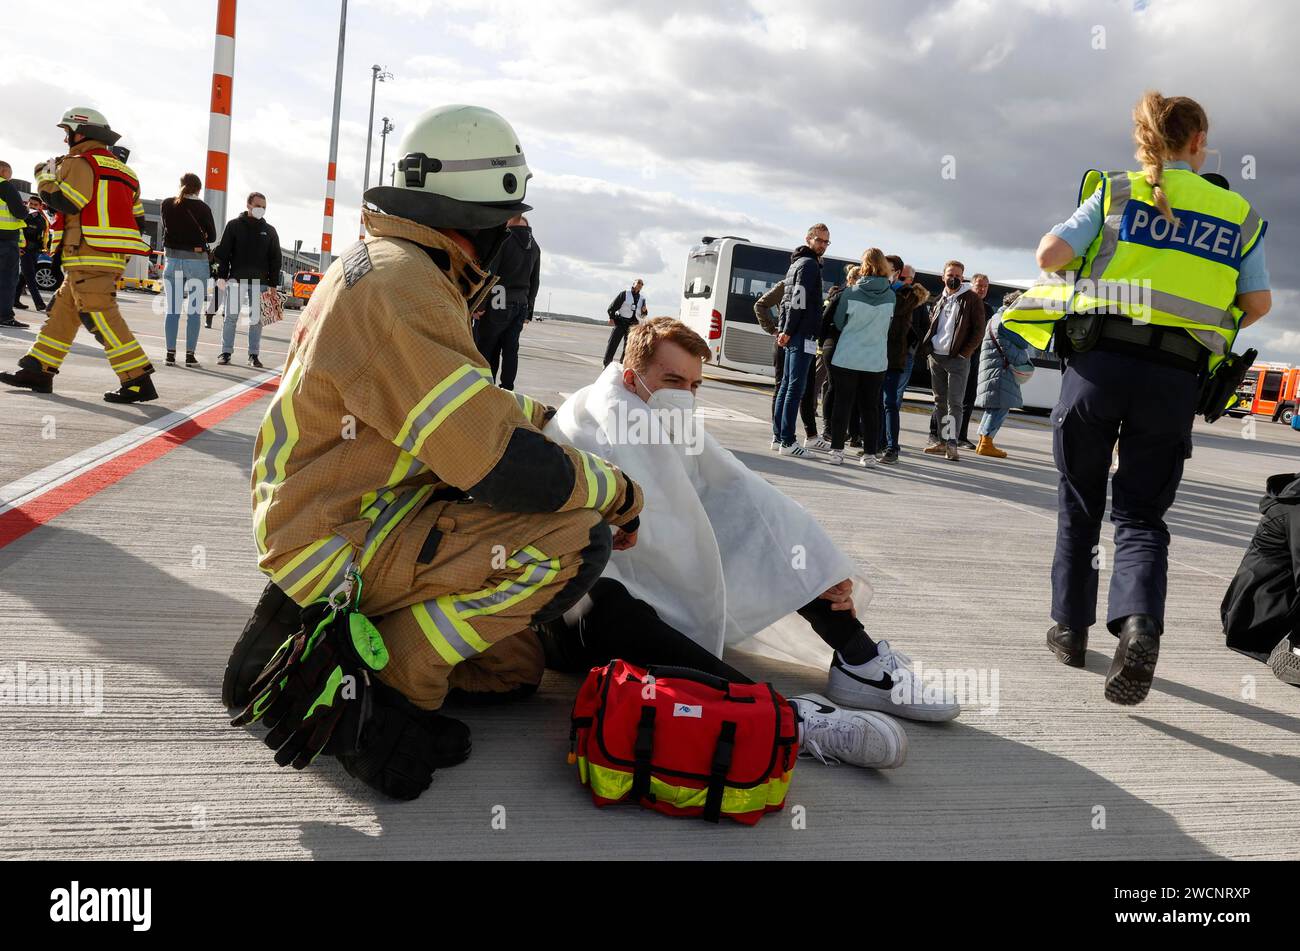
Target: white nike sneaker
(817, 444)
(887, 683)
(831, 735)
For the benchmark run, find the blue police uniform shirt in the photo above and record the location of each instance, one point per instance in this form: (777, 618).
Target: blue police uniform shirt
(1084, 225)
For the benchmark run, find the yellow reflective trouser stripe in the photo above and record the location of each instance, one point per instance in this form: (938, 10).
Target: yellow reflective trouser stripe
(50, 352)
(278, 436)
(320, 566)
(386, 520)
(73, 195)
(404, 468)
(609, 783)
(440, 402)
(444, 620)
(112, 343)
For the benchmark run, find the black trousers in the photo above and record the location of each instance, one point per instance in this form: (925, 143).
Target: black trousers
(497, 337)
(27, 278)
(617, 335)
(807, 403)
(857, 394)
(617, 625)
(1147, 408)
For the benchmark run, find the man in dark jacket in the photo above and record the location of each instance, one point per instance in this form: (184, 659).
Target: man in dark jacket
(1261, 609)
(35, 227)
(248, 260)
(955, 334)
(904, 337)
(624, 312)
(799, 321)
(510, 305)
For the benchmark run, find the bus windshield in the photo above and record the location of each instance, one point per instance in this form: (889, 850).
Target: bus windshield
(701, 272)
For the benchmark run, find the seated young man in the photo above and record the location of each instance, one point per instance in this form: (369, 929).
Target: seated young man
(720, 554)
(1261, 609)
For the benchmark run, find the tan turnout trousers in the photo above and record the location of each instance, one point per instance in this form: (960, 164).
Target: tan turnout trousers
(88, 298)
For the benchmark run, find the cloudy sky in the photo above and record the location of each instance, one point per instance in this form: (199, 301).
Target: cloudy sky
(649, 124)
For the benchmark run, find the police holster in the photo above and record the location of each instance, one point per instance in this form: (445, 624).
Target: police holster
(1077, 333)
(1218, 391)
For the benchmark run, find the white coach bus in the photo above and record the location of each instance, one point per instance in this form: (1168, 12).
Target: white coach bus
(725, 276)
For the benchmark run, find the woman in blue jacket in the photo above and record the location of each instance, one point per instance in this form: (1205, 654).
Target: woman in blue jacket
(998, 390)
(862, 316)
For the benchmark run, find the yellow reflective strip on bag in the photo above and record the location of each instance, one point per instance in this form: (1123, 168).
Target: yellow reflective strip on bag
(609, 783)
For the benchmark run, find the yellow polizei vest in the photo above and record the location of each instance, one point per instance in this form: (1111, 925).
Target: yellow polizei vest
(1180, 273)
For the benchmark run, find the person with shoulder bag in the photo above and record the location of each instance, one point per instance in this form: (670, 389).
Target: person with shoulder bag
(188, 230)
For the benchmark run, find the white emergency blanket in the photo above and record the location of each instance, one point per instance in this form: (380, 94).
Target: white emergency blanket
(721, 555)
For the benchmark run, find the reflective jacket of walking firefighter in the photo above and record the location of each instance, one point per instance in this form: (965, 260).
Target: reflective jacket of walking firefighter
(387, 444)
(98, 197)
(1141, 265)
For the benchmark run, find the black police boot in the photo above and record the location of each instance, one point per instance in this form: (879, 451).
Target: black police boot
(401, 745)
(275, 619)
(1069, 646)
(139, 390)
(32, 375)
(1134, 666)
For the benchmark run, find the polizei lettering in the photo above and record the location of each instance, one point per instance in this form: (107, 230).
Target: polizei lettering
(1202, 235)
(77, 904)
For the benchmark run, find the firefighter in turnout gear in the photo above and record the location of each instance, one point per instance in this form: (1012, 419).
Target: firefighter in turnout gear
(387, 450)
(101, 219)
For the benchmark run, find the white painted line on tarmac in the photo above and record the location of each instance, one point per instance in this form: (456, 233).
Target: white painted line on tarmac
(23, 490)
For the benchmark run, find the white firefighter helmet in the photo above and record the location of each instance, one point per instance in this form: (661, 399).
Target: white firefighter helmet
(460, 167)
(90, 123)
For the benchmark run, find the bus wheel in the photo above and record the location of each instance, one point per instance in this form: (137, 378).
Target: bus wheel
(1286, 414)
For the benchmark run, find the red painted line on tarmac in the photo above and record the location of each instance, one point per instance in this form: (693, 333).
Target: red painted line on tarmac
(19, 521)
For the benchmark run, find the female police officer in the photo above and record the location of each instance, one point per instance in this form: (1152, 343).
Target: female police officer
(1171, 267)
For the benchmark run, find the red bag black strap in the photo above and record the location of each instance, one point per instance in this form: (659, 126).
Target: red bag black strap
(722, 754)
(690, 673)
(643, 751)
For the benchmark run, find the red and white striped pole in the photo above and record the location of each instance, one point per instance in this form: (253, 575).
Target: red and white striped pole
(223, 78)
(327, 229)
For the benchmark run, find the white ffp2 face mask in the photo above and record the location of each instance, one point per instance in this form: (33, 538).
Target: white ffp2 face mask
(665, 398)
(258, 213)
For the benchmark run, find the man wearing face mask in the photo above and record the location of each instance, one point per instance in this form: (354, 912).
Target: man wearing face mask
(97, 198)
(248, 262)
(705, 572)
(510, 305)
(956, 330)
(466, 523)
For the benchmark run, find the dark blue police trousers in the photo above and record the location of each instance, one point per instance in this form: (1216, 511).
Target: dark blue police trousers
(1148, 408)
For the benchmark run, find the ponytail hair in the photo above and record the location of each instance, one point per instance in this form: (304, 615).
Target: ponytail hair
(874, 264)
(1161, 127)
(190, 185)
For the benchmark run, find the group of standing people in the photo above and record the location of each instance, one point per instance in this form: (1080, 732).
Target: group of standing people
(245, 262)
(856, 344)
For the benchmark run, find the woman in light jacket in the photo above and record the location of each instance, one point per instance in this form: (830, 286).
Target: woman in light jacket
(862, 316)
(998, 390)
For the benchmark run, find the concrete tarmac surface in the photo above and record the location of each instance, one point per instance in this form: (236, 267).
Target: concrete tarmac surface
(135, 566)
